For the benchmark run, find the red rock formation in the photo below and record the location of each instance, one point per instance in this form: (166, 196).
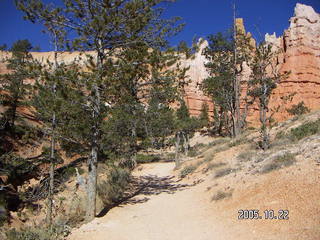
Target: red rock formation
(301, 56)
(194, 97)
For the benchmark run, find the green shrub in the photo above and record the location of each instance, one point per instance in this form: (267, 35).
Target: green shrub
(208, 157)
(77, 211)
(218, 142)
(221, 195)
(170, 156)
(223, 172)
(215, 165)
(142, 158)
(111, 190)
(57, 231)
(193, 152)
(305, 130)
(187, 170)
(298, 110)
(3, 214)
(246, 156)
(281, 161)
(237, 142)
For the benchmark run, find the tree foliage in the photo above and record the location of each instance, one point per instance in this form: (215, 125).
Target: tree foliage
(264, 79)
(13, 84)
(226, 55)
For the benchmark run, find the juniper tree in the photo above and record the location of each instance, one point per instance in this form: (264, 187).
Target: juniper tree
(13, 84)
(110, 29)
(263, 80)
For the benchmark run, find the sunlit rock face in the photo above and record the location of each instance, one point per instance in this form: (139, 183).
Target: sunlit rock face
(300, 45)
(194, 97)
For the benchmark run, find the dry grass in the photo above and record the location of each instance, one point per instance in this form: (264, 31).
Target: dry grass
(246, 156)
(223, 172)
(279, 162)
(187, 170)
(221, 195)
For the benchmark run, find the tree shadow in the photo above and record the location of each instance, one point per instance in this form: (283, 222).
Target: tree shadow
(145, 186)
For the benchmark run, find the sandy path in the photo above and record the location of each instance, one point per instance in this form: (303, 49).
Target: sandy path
(166, 210)
(169, 210)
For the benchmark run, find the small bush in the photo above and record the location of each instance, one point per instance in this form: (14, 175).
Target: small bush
(187, 170)
(111, 190)
(280, 135)
(298, 110)
(193, 152)
(305, 130)
(208, 157)
(141, 158)
(246, 156)
(223, 172)
(57, 231)
(215, 165)
(3, 215)
(222, 149)
(279, 162)
(218, 142)
(76, 213)
(170, 156)
(221, 195)
(237, 142)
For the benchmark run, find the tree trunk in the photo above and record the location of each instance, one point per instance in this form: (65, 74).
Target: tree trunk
(265, 142)
(188, 141)
(92, 183)
(177, 159)
(185, 143)
(52, 153)
(13, 114)
(236, 85)
(93, 160)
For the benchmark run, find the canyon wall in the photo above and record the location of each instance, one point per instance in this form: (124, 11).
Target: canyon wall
(299, 54)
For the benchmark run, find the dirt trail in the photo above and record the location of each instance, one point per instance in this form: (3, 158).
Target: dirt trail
(165, 210)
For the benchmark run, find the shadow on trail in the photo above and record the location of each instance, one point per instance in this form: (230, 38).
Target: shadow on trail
(147, 186)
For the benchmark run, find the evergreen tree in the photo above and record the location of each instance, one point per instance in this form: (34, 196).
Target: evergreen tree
(204, 115)
(112, 30)
(185, 127)
(13, 84)
(264, 80)
(226, 55)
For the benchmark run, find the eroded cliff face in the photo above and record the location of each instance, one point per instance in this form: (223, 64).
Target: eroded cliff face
(300, 45)
(194, 97)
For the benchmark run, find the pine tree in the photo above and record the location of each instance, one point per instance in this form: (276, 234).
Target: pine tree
(112, 30)
(185, 127)
(13, 84)
(226, 55)
(264, 80)
(204, 115)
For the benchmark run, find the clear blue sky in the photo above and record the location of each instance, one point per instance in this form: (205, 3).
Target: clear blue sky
(202, 17)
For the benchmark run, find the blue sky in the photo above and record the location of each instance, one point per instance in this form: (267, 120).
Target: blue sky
(202, 17)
